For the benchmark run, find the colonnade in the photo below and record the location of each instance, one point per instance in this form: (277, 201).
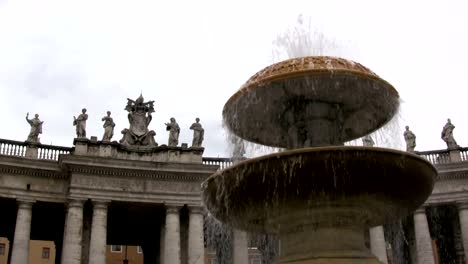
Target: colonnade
(423, 241)
(73, 235)
(170, 245)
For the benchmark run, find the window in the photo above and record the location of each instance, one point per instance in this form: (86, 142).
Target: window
(45, 253)
(139, 250)
(116, 248)
(2, 249)
(255, 261)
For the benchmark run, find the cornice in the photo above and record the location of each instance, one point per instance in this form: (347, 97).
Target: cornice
(102, 166)
(35, 172)
(134, 173)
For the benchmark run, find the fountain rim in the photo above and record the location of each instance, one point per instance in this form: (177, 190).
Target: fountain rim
(252, 83)
(323, 149)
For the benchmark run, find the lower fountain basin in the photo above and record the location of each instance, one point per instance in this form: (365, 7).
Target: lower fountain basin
(326, 186)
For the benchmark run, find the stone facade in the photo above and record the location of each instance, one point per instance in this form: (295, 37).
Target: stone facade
(101, 193)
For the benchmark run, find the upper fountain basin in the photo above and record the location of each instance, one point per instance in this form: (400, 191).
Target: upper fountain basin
(310, 101)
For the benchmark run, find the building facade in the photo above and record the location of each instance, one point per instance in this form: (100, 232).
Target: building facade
(97, 194)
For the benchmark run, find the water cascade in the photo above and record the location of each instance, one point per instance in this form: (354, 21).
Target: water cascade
(318, 195)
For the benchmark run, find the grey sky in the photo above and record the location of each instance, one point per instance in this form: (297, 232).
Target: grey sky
(57, 57)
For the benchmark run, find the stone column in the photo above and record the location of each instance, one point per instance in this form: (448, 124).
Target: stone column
(463, 215)
(196, 243)
(98, 243)
(20, 250)
(240, 254)
(72, 237)
(172, 235)
(425, 253)
(162, 240)
(377, 243)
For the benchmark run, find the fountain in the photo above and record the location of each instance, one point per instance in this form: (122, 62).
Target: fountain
(318, 196)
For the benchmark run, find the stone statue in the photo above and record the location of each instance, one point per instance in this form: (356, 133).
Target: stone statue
(410, 139)
(108, 127)
(367, 141)
(36, 128)
(139, 118)
(198, 133)
(80, 124)
(447, 135)
(174, 131)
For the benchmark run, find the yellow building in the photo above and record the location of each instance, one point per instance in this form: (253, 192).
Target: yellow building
(4, 249)
(40, 252)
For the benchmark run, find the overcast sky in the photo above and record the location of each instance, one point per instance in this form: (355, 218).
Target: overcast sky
(57, 57)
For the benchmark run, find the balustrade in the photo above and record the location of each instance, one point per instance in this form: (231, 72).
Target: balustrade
(12, 148)
(51, 152)
(18, 148)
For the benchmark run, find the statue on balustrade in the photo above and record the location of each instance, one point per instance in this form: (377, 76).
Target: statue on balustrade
(410, 139)
(108, 127)
(80, 124)
(367, 141)
(447, 135)
(198, 133)
(174, 131)
(36, 128)
(139, 117)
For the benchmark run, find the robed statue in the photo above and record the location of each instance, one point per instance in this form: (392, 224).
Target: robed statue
(108, 127)
(139, 117)
(198, 133)
(80, 123)
(36, 128)
(447, 135)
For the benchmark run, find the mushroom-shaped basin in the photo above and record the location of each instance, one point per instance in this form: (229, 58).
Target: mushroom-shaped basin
(310, 101)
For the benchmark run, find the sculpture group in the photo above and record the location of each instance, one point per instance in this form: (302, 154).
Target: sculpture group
(410, 138)
(138, 134)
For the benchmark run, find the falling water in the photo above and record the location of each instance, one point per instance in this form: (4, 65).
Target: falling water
(298, 42)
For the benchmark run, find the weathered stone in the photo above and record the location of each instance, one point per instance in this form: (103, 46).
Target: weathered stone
(172, 235)
(98, 244)
(80, 123)
(447, 135)
(20, 252)
(425, 254)
(36, 128)
(139, 117)
(72, 238)
(377, 243)
(174, 131)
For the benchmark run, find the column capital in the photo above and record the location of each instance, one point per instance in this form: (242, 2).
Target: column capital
(75, 203)
(420, 210)
(100, 204)
(25, 204)
(463, 205)
(172, 209)
(196, 209)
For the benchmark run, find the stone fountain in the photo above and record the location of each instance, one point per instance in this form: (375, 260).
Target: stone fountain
(318, 195)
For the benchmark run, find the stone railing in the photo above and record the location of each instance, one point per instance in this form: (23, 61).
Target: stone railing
(32, 150)
(435, 156)
(444, 155)
(12, 148)
(51, 152)
(221, 162)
